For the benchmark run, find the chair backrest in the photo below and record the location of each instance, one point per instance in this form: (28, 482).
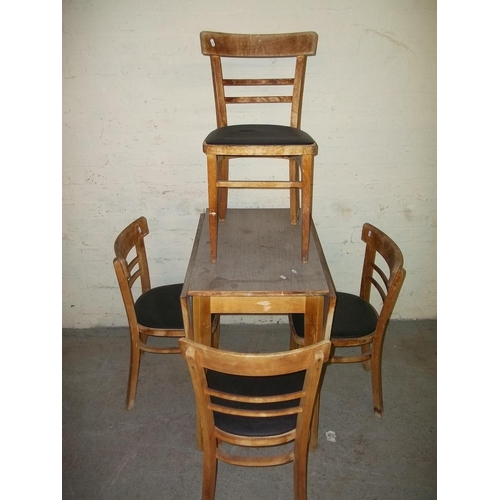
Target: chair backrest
(130, 268)
(255, 386)
(388, 283)
(297, 45)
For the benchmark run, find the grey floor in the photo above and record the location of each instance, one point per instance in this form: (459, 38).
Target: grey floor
(150, 452)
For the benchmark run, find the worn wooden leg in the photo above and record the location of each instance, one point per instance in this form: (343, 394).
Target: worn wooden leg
(187, 316)
(223, 176)
(294, 192)
(376, 362)
(366, 348)
(144, 340)
(313, 332)
(300, 474)
(212, 204)
(214, 341)
(202, 320)
(202, 333)
(293, 342)
(313, 443)
(313, 319)
(133, 375)
(209, 472)
(307, 188)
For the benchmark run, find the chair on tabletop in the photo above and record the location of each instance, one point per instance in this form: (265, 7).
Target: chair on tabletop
(362, 320)
(255, 400)
(156, 311)
(259, 140)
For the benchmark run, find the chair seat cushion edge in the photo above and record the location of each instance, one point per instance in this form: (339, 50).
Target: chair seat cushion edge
(258, 135)
(353, 317)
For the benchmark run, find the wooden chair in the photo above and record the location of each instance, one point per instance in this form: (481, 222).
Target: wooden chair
(259, 140)
(255, 400)
(156, 312)
(362, 321)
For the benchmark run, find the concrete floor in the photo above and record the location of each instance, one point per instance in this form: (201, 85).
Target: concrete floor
(150, 452)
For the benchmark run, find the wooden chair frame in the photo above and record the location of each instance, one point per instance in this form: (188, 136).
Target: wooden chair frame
(301, 157)
(128, 271)
(201, 358)
(388, 288)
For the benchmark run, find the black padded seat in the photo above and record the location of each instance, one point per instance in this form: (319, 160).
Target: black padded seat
(353, 317)
(255, 386)
(258, 135)
(160, 307)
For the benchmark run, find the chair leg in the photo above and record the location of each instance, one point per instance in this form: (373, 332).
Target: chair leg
(133, 376)
(294, 192)
(212, 205)
(144, 339)
(313, 440)
(300, 474)
(307, 183)
(376, 369)
(223, 176)
(367, 365)
(209, 473)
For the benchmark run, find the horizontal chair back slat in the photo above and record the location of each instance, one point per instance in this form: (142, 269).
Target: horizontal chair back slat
(263, 399)
(254, 82)
(259, 99)
(271, 45)
(255, 413)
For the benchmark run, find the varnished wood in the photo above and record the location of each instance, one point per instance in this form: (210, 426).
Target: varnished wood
(293, 45)
(258, 99)
(307, 182)
(186, 302)
(223, 176)
(131, 265)
(387, 288)
(280, 151)
(201, 358)
(255, 45)
(255, 82)
(260, 184)
(212, 202)
(314, 332)
(258, 271)
(128, 270)
(293, 167)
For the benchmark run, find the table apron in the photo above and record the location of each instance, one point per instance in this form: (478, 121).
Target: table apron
(258, 305)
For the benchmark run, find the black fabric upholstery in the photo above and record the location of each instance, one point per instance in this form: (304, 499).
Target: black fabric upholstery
(353, 317)
(255, 135)
(160, 307)
(255, 386)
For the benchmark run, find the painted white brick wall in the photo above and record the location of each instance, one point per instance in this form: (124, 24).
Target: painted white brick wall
(137, 104)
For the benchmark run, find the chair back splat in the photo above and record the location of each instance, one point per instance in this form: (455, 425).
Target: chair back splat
(255, 400)
(259, 140)
(297, 45)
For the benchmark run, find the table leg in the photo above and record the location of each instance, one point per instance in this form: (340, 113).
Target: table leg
(202, 333)
(313, 332)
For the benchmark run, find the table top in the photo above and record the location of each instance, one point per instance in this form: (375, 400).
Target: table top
(258, 254)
